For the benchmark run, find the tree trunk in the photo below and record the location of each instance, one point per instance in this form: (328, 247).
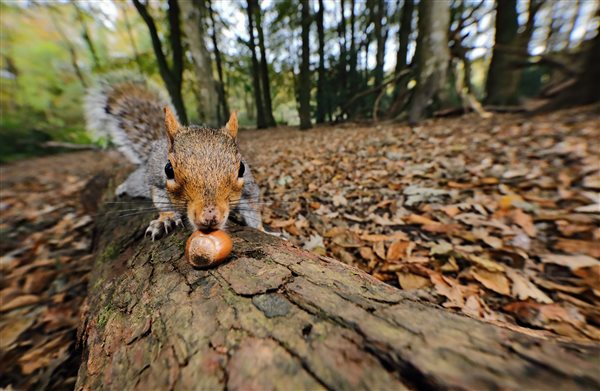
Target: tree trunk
(503, 76)
(264, 69)
(432, 56)
(194, 14)
(172, 76)
(278, 318)
(380, 37)
(260, 114)
(404, 35)
(342, 74)
(321, 83)
(401, 92)
(304, 85)
(223, 106)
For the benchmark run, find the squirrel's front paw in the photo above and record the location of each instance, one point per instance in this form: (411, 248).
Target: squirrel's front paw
(165, 222)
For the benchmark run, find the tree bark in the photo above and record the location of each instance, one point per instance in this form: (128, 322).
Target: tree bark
(194, 15)
(321, 82)
(260, 113)
(223, 106)
(380, 39)
(304, 85)
(264, 69)
(404, 35)
(432, 56)
(278, 318)
(172, 76)
(503, 77)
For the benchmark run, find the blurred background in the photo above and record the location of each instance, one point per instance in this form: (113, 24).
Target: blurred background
(292, 62)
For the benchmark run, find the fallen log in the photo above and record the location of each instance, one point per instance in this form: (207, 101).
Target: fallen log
(277, 317)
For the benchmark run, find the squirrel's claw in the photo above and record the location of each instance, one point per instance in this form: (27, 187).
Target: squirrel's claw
(165, 222)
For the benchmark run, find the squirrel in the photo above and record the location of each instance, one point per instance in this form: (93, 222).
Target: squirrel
(187, 171)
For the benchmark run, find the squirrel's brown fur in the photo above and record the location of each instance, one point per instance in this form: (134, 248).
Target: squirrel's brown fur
(209, 176)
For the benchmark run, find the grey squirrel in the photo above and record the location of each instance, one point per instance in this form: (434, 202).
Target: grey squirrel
(190, 171)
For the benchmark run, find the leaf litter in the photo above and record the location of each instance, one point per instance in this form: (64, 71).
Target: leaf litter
(495, 218)
(46, 229)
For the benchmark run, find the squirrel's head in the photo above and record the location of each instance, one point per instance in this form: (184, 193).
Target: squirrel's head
(204, 172)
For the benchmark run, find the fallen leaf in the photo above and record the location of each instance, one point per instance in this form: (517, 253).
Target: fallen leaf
(591, 248)
(11, 331)
(573, 262)
(441, 248)
(397, 250)
(20, 301)
(525, 221)
(410, 281)
(492, 280)
(448, 288)
(486, 263)
(524, 289)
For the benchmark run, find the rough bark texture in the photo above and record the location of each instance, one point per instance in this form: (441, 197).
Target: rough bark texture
(304, 85)
(322, 81)
(432, 56)
(276, 317)
(503, 76)
(264, 69)
(172, 75)
(194, 15)
(260, 114)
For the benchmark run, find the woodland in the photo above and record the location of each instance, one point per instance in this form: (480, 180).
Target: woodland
(429, 172)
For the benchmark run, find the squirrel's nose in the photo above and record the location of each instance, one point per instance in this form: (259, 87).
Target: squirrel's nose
(208, 218)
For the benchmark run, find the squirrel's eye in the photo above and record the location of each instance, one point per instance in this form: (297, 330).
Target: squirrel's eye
(169, 171)
(242, 170)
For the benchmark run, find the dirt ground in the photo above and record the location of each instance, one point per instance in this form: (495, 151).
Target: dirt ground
(495, 218)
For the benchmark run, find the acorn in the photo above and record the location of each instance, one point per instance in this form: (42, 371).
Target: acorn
(208, 249)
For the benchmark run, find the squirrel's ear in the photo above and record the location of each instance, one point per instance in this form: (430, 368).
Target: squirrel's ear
(171, 123)
(232, 125)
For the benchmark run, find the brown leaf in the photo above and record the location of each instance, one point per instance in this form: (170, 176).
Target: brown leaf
(492, 280)
(399, 235)
(13, 329)
(525, 221)
(20, 301)
(379, 249)
(282, 223)
(367, 253)
(421, 220)
(524, 289)
(591, 276)
(410, 281)
(573, 262)
(397, 250)
(591, 248)
(448, 288)
(486, 263)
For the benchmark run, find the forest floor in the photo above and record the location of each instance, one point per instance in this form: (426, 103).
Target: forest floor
(495, 218)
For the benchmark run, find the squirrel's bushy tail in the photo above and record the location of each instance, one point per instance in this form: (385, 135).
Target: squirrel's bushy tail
(128, 109)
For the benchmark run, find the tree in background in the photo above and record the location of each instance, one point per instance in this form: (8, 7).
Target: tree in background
(223, 113)
(305, 84)
(261, 122)
(321, 81)
(171, 75)
(431, 57)
(194, 17)
(50, 52)
(264, 69)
